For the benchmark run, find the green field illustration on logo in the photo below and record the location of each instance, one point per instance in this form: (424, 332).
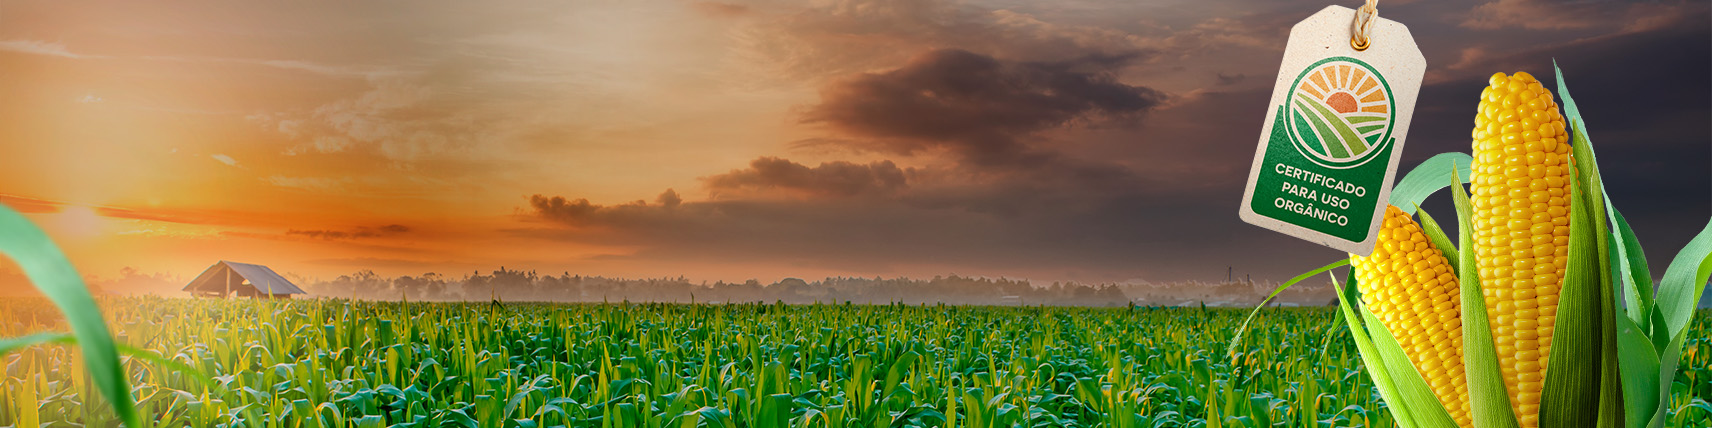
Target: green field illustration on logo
(1318, 169)
(1339, 112)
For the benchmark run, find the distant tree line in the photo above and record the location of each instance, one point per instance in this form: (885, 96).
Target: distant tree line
(517, 285)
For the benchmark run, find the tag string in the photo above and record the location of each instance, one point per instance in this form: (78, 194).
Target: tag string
(1363, 25)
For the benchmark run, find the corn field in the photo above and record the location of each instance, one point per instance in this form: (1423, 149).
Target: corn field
(333, 363)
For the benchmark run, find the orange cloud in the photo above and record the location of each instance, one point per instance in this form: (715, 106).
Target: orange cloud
(357, 233)
(29, 205)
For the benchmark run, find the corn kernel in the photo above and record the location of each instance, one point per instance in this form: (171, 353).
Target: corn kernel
(1522, 230)
(1409, 286)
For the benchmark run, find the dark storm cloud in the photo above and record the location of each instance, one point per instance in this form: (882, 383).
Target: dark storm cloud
(1560, 15)
(976, 105)
(1644, 91)
(849, 36)
(829, 179)
(1029, 192)
(1644, 95)
(1640, 88)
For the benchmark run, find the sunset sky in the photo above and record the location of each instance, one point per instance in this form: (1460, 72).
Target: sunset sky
(1085, 140)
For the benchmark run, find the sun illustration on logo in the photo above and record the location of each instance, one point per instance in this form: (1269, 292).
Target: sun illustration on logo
(1340, 112)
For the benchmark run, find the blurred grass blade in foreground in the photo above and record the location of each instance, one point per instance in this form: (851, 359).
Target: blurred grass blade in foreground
(52, 273)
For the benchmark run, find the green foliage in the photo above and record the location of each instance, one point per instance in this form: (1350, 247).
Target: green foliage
(52, 273)
(214, 363)
(1489, 404)
(1372, 358)
(1570, 396)
(1652, 329)
(1427, 178)
(345, 364)
(1620, 349)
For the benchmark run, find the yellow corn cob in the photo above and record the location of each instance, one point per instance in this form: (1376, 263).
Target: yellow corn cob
(1409, 286)
(1521, 228)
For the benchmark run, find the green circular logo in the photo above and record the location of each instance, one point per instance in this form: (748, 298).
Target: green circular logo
(1340, 112)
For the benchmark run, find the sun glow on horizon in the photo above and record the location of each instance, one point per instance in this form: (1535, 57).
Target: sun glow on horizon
(78, 222)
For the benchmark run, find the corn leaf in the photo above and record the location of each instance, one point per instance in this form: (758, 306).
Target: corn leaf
(1660, 337)
(1640, 368)
(1237, 340)
(1489, 404)
(11, 344)
(1679, 291)
(1411, 386)
(1631, 264)
(1440, 240)
(1610, 397)
(1684, 281)
(1570, 396)
(50, 272)
(1667, 374)
(1570, 112)
(1427, 178)
(189, 372)
(1372, 359)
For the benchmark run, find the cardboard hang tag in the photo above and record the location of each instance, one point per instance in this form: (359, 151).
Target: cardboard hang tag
(1334, 131)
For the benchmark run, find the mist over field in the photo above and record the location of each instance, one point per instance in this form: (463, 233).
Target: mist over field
(517, 285)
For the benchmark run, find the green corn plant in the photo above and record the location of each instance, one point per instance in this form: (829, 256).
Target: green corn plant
(1616, 341)
(325, 363)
